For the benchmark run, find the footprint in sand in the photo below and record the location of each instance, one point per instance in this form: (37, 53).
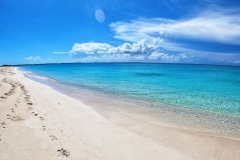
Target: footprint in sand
(41, 118)
(16, 118)
(35, 114)
(53, 137)
(8, 116)
(63, 153)
(43, 128)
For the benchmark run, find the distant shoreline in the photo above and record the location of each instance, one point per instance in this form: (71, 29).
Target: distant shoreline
(200, 64)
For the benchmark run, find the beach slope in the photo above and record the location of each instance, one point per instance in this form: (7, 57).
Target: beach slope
(37, 122)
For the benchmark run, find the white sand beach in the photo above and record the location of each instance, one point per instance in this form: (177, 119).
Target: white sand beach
(37, 122)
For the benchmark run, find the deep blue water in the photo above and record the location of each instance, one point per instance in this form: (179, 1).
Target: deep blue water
(214, 88)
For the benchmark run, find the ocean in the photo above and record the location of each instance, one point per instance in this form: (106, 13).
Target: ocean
(187, 90)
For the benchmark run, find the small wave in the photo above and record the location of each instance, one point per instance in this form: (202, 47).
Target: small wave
(30, 74)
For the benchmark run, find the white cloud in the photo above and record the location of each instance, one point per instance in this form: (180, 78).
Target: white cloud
(166, 57)
(216, 27)
(221, 27)
(141, 47)
(142, 50)
(107, 58)
(90, 48)
(157, 39)
(33, 58)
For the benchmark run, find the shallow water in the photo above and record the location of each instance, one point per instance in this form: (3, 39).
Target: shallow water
(182, 96)
(212, 88)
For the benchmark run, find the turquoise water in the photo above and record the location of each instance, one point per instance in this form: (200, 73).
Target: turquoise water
(213, 88)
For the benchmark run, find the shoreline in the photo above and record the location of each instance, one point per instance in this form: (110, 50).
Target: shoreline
(59, 126)
(211, 123)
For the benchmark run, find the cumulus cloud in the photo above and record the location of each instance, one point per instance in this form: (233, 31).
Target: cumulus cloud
(141, 47)
(166, 40)
(142, 50)
(107, 58)
(90, 48)
(163, 56)
(33, 58)
(185, 36)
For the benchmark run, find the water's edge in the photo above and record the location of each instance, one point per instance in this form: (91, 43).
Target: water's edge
(218, 124)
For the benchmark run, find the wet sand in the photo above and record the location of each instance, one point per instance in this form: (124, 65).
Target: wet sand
(37, 122)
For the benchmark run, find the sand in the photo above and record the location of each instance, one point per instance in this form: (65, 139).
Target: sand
(37, 122)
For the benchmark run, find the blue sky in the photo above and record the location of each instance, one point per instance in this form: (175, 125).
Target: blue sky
(168, 31)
